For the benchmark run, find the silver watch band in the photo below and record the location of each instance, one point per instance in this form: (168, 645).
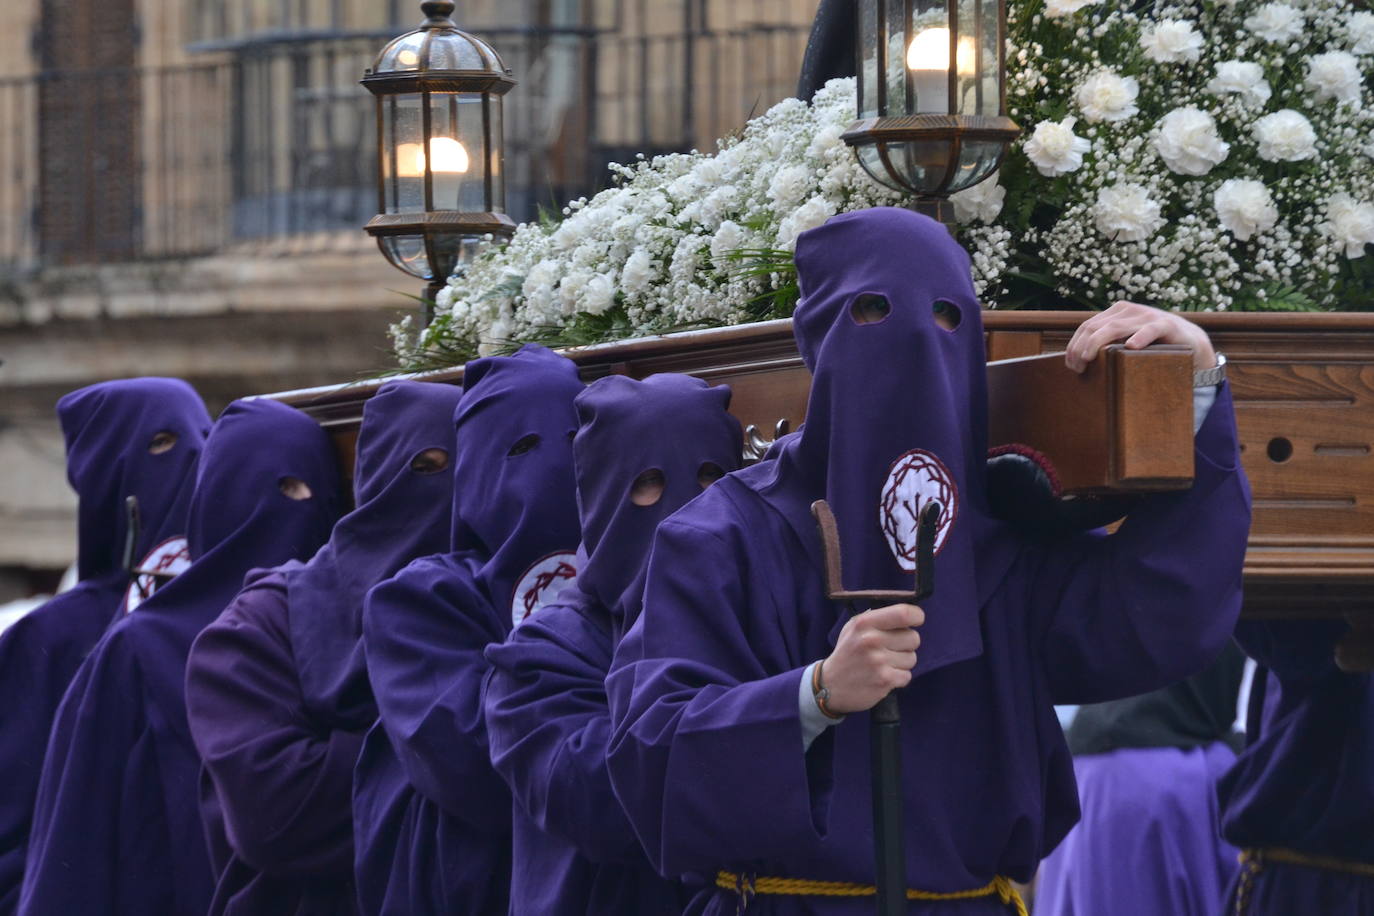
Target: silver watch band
(1205, 378)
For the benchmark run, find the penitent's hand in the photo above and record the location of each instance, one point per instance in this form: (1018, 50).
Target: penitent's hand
(873, 656)
(1138, 326)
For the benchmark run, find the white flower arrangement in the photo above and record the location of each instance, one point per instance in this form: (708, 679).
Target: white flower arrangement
(682, 240)
(1230, 161)
(1202, 155)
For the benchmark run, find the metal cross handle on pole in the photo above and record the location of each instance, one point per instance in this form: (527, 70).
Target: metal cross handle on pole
(885, 721)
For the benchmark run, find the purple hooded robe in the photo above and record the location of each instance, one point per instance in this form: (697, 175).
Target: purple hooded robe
(1305, 781)
(108, 430)
(574, 852)
(432, 819)
(1147, 768)
(116, 828)
(276, 688)
(707, 749)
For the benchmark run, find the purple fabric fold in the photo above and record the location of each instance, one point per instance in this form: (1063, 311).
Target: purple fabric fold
(108, 429)
(117, 828)
(1305, 782)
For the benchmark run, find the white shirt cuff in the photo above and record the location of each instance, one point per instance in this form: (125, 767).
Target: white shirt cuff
(1203, 399)
(813, 721)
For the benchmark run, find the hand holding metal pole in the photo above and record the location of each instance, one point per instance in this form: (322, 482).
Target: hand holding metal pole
(885, 720)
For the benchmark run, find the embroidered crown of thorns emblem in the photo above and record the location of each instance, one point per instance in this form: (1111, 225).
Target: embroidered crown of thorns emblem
(915, 478)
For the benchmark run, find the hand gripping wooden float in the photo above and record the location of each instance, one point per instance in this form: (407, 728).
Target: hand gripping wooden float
(1304, 392)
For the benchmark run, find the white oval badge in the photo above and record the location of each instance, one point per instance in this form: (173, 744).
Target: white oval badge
(542, 583)
(916, 478)
(166, 561)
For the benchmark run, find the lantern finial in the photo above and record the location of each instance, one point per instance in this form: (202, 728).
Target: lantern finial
(439, 13)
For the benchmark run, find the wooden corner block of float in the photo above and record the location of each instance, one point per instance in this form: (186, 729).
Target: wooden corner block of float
(1152, 391)
(1124, 424)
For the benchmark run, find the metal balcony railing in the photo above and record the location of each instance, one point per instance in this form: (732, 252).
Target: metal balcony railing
(271, 140)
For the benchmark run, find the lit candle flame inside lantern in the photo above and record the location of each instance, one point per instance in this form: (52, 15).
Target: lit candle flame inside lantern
(929, 50)
(449, 157)
(927, 59)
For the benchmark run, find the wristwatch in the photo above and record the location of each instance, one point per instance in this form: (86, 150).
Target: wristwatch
(1206, 378)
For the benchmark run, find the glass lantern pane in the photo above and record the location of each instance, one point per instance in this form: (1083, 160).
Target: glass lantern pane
(458, 151)
(402, 54)
(402, 144)
(977, 159)
(926, 56)
(449, 51)
(976, 61)
(892, 33)
(869, 103)
(453, 253)
(408, 253)
(914, 165)
(498, 156)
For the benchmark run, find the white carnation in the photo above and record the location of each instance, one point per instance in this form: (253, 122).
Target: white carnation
(1351, 223)
(808, 216)
(1276, 23)
(1242, 78)
(1105, 96)
(1188, 141)
(1055, 150)
(1335, 75)
(1057, 9)
(981, 202)
(1285, 136)
(598, 295)
(789, 186)
(1127, 213)
(638, 272)
(1172, 41)
(729, 237)
(1360, 30)
(1245, 207)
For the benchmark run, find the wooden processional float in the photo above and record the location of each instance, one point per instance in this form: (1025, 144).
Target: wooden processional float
(1304, 392)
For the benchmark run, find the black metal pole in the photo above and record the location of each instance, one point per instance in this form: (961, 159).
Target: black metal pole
(885, 732)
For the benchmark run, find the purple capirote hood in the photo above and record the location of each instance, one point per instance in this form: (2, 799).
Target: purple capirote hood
(897, 415)
(401, 515)
(514, 500)
(675, 424)
(109, 428)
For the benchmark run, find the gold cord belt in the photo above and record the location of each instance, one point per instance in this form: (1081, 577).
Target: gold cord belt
(1253, 861)
(747, 886)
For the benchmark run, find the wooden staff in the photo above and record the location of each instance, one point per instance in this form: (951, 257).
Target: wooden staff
(885, 720)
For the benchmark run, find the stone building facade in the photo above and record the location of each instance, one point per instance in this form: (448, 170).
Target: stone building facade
(183, 182)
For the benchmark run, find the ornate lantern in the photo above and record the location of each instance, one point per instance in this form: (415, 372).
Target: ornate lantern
(932, 95)
(440, 177)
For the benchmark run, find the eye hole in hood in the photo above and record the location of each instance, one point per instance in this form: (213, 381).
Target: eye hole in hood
(648, 488)
(430, 461)
(870, 308)
(163, 442)
(947, 314)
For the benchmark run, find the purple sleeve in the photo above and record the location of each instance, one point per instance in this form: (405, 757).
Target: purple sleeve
(425, 631)
(549, 726)
(690, 700)
(1157, 601)
(283, 782)
(74, 855)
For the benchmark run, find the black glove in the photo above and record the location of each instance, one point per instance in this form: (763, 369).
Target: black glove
(1024, 492)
